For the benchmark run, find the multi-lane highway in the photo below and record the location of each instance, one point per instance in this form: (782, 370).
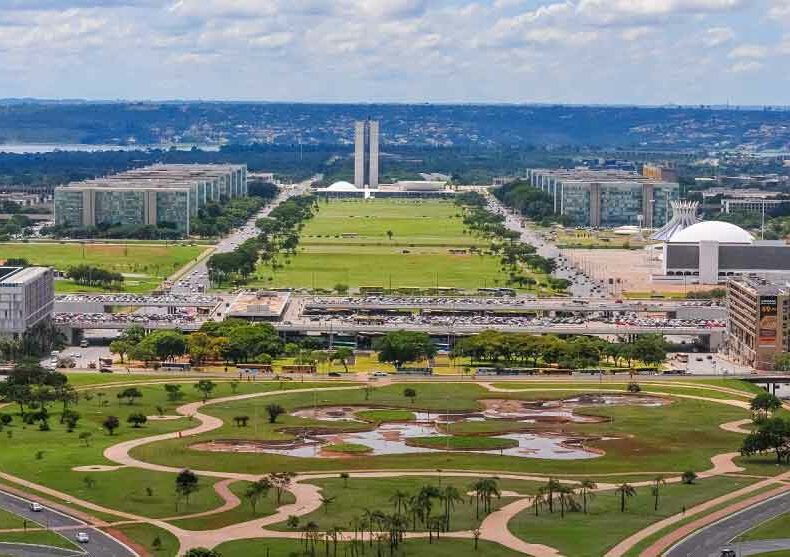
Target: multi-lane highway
(196, 278)
(709, 541)
(99, 544)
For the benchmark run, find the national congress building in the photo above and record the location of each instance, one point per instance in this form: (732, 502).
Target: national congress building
(162, 194)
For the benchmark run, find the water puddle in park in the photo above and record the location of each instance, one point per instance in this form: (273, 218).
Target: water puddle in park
(392, 438)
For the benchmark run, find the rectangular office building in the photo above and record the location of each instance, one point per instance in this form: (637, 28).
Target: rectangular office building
(159, 195)
(607, 198)
(27, 296)
(758, 320)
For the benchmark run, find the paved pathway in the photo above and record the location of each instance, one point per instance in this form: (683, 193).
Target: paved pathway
(308, 498)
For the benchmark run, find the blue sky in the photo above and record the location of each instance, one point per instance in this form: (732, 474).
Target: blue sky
(563, 51)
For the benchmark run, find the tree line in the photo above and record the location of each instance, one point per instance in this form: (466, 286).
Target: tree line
(578, 352)
(530, 202)
(88, 275)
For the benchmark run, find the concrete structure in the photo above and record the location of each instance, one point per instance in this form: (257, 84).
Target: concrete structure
(712, 251)
(158, 195)
(27, 297)
(366, 154)
(684, 214)
(758, 326)
(607, 198)
(400, 189)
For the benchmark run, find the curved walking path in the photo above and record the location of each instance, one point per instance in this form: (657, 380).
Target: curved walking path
(308, 497)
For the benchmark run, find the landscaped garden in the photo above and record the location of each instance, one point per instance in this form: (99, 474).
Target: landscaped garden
(573, 465)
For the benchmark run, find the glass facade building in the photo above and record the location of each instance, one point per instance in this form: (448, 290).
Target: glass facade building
(155, 195)
(607, 198)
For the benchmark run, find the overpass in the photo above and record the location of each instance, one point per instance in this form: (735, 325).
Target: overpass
(84, 302)
(671, 308)
(713, 336)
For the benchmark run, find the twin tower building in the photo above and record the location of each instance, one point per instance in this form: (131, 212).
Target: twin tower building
(366, 154)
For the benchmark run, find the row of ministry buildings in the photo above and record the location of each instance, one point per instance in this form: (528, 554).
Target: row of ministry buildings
(168, 195)
(607, 198)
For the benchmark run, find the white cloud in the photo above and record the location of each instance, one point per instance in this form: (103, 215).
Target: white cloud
(716, 36)
(623, 11)
(636, 33)
(746, 66)
(748, 51)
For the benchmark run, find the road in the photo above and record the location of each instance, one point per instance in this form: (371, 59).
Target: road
(197, 276)
(581, 285)
(100, 543)
(709, 541)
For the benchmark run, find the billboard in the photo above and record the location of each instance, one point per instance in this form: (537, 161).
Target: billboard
(769, 321)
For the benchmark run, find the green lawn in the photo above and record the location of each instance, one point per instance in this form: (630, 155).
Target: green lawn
(411, 548)
(146, 534)
(669, 439)
(264, 507)
(591, 535)
(349, 499)
(777, 528)
(418, 255)
(144, 266)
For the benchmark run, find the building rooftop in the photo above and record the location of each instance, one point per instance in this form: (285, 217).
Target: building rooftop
(764, 286)
(712, 231)
(159, 176)
(15, 276)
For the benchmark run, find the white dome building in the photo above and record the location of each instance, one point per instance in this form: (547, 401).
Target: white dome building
(710, 252)
(712, 231)
(342, 186)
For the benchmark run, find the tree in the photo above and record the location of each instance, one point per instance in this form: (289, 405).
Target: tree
(764, 404)
(137, 419)
(241, 421)
(344, 476)
(130, 394)
(173, 392)
(85, 437)
(165, 345)
(274, 411)
(566, 497)
(256, 490)
(689, 477)
(342, 355)
(399, 347)
(586, 488)
(202, 552)
(187, 483)
(624, 491)
(280, 481)
(121, 347)
(111, 423)
(410, 393)
(782, 361)
(633, 387)
(390, 234)
(658, 483)
(70, 418)
(292, 522)
(773, 434)
(199, 346)
(205, 386)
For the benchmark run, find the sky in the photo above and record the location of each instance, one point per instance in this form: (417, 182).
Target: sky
(648, 52)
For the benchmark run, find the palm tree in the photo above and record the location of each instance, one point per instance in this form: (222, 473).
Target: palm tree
(586, 488)
(658, 483)
(256, 490)
(551, 487)
(326, 501)
(566, 497)
(398, 500)
(624, 491)
(450, 496)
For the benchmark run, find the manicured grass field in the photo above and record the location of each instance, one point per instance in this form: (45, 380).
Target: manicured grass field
(670, 439)
(264, 507)
(351, 498)
(418, 255)
(144, 266)
(591, 534)
(348, 448)
(145, 534)
(463, 443)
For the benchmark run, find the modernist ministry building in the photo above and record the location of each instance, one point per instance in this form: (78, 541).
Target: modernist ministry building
(607, 198)
(366, 154)
(27, 296)
(158, 195)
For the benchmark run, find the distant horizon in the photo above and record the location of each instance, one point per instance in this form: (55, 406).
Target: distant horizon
(85, 100)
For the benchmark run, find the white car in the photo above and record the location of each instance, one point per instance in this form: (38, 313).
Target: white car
(36, 507)
(82, 537)
(379, 374)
